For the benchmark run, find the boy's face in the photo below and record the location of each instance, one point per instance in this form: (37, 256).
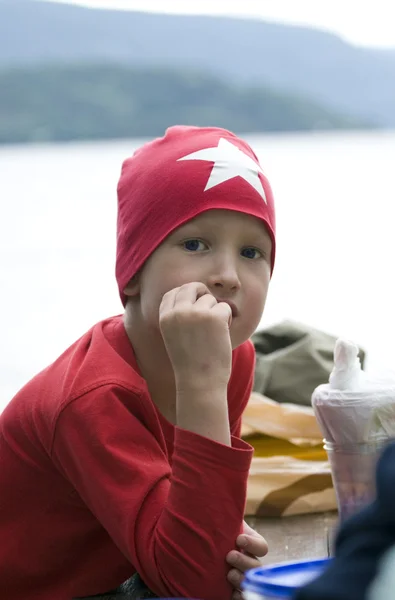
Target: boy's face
(228, 251)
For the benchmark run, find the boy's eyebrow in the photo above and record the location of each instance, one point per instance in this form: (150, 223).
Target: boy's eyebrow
(198, 227)
(192, 227)
(255, 238)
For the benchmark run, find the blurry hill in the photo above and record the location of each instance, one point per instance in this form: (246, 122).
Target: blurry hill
(312, 63)
(59, 103)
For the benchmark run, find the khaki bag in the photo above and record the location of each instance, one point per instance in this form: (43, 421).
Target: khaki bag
(292, 359)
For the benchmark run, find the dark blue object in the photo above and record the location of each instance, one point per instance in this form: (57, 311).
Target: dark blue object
(282, 580)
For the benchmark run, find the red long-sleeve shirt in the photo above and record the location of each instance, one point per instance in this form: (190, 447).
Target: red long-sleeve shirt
(95, 484)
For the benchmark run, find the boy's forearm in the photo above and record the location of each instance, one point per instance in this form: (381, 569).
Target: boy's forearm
(205, 412)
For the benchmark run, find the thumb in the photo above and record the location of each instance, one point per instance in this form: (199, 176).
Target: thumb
(223, 309)
(247, 530)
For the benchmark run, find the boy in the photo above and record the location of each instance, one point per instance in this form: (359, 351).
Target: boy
(124, 455)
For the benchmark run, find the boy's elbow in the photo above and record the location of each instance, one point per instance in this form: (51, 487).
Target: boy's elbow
(208, 588)
(191, 581)
(187, 563)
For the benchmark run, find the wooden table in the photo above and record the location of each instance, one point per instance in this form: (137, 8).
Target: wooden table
(298, 537)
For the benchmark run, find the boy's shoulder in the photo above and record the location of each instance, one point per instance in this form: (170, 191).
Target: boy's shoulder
(102, 355)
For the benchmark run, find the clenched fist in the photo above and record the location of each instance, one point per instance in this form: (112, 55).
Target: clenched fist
(195, 330)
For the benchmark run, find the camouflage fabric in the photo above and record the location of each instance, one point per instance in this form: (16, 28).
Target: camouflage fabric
(133, 589)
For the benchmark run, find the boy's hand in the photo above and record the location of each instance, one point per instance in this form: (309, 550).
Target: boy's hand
(195, 330)
(252, 545)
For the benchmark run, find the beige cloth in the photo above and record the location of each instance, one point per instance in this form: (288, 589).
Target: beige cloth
(289, 473)
(285, 421)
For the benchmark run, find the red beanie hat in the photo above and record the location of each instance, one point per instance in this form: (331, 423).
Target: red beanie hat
(176, 177)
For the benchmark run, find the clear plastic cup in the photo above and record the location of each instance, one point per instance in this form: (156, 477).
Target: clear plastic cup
(353, 469)
(282, 580)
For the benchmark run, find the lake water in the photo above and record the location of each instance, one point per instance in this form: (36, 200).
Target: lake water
(335, 196)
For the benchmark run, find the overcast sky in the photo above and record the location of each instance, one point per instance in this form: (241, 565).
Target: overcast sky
(363, 22)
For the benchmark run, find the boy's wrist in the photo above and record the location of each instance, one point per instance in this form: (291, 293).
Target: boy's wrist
(205, 412)
(202, 396)
(202, 384)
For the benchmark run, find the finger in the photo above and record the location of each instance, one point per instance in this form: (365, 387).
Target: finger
(206, 302)
(235, 578)
(190, 292)
(253, 544)
(242, 562)
(237, 595)
(223, 310)
(167, 302)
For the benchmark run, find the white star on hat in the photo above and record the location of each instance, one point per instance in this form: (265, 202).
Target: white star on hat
(229, 162)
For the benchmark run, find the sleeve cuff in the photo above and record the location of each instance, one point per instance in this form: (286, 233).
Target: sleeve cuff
(236, 457)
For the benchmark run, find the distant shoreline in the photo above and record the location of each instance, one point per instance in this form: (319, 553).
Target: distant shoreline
(61, 103)
(290, 136)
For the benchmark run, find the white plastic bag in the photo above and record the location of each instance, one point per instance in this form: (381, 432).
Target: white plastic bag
(354, 408)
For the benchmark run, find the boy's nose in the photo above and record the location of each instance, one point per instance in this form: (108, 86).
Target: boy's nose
(225, 277)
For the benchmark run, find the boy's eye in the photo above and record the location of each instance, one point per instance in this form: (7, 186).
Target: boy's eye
(194, 245)
(251, 253)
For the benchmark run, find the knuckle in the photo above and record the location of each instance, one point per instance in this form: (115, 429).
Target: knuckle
(165, 318)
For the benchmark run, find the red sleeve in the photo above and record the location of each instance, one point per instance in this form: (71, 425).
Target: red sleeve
(240, 384)
(174, 526)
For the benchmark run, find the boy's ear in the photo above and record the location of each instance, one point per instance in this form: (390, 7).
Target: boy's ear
(133, 287)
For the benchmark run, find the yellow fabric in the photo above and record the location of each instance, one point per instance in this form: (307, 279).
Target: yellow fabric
(266, 446)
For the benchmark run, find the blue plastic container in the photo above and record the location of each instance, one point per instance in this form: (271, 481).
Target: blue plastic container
(282, 580)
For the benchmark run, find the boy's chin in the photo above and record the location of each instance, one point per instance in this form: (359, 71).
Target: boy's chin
(237, 340)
